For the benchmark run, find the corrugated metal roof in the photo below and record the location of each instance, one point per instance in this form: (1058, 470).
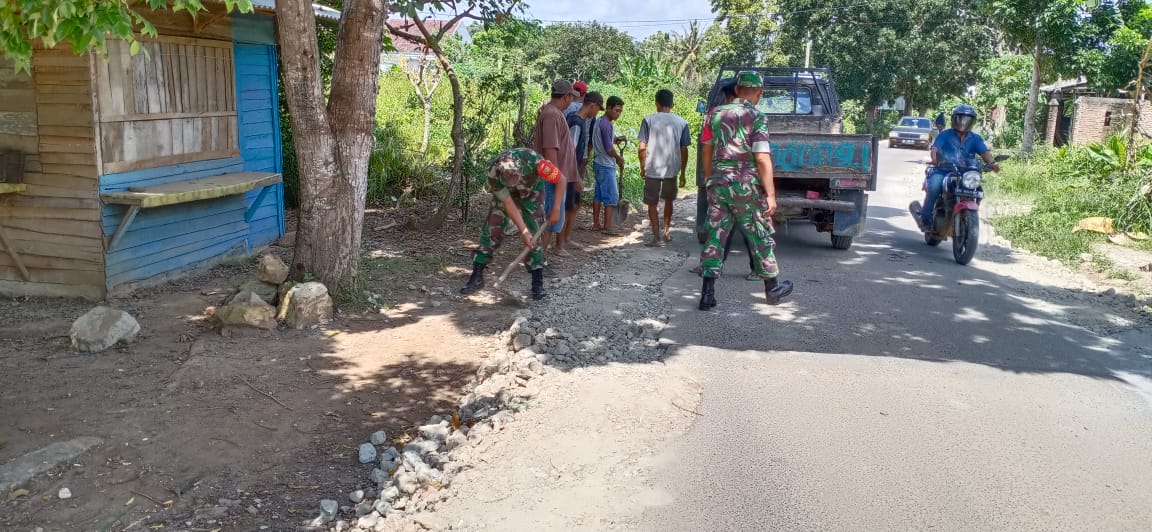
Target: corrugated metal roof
(323, 12)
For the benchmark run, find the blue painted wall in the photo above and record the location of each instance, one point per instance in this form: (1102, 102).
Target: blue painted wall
(257, 104)
(170, 239)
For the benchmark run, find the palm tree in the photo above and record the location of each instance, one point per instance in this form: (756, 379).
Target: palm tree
(686, 48)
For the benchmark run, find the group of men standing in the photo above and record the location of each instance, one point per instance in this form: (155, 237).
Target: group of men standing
(543, 185)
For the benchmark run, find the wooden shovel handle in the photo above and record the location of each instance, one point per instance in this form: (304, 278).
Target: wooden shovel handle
(520, 257)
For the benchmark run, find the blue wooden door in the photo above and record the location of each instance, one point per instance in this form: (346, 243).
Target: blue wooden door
(258, 123)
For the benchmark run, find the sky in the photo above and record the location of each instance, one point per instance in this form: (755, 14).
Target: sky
(639, 18)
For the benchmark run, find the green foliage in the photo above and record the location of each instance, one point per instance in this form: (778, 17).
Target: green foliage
(85, 24)
(853, 112)
(923, 50)
(645, 70)
(684, 50)
(742, 34)
(587, 51)
(1066, 185)
(1110, 53)
(1054, 26)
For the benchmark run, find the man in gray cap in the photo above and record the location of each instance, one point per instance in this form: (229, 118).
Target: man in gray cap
(552, 139)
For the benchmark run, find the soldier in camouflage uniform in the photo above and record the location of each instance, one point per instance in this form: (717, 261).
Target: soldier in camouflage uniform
(516, 180)
(736, 158)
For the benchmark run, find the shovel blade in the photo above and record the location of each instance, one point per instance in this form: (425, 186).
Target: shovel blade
(621, 213)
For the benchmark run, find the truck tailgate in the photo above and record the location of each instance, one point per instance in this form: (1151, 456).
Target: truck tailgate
(825, 156)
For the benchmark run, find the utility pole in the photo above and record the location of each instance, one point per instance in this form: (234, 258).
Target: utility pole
(808, 51)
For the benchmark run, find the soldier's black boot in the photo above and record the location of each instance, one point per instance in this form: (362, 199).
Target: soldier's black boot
(537, 285)
(476, 281)
(708, 294)
(776, 291)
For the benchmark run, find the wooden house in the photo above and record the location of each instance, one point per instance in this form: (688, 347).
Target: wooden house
(130, 170)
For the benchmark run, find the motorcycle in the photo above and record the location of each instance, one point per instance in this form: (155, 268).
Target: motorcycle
(957, 211)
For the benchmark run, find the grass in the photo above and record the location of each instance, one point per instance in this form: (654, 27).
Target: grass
(1064, 186)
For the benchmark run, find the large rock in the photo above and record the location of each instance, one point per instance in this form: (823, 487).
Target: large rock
(250, 312)
(101, 328)
(306, 305)
(267, 292)
(272, 270)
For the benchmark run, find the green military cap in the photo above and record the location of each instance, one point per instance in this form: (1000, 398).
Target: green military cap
(749, 78)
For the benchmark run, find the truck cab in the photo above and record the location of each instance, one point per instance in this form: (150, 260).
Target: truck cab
(821, 174)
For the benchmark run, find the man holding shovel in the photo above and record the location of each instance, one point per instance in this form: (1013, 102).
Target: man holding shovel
(606, 161)
(516, 180)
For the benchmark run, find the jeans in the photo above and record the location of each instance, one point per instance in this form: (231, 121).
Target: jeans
(607, 189)
(550, 192)
(935, 188)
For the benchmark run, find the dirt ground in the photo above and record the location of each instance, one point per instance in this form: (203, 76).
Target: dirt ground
(248, 432)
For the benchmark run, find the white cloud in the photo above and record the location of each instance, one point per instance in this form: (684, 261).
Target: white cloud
(638, 18)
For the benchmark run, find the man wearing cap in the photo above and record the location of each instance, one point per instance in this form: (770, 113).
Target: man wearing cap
(736, 157)
(552, 139)
(581, 89)
(516, 179)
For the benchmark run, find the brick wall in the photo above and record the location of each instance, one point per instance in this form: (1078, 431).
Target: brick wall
(1053, 119)
(1094, 119)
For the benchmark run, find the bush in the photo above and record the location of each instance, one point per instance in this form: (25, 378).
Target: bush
(1068, 184)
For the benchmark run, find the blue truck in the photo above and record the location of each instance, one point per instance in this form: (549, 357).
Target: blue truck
(822, 175)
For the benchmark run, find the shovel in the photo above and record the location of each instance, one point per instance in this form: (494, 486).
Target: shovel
(623, 206)
(519, 259)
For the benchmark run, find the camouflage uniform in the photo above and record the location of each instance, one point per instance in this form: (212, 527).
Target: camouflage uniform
(738, 131)
(513, 174)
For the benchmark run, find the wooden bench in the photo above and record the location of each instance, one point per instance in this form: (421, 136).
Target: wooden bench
(13, 188)
(207, 188)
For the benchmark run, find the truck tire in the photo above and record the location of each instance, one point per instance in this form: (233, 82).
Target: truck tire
(841, 242)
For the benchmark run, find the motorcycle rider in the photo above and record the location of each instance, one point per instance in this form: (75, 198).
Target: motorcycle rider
(958, 147)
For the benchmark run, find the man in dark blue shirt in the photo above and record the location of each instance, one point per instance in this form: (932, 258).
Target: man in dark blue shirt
(954, 148)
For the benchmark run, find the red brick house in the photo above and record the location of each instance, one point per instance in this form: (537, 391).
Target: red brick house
(1079, 114)
(408, 52)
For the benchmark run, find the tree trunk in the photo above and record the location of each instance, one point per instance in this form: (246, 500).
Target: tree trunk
(909, 103)
(519, 135)
(332, 144)
(427, 125)
(441, 215)
(870, 119)
(1030, 109)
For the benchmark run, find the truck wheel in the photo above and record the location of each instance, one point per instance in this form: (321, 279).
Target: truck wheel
(841, 242)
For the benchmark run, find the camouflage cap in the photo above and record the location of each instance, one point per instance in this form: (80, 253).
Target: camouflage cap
(749, 78)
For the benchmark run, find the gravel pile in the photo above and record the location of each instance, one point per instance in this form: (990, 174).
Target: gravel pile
(612, 310)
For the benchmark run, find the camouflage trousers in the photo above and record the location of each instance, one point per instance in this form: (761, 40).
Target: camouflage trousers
(738, 203)
(499, 226)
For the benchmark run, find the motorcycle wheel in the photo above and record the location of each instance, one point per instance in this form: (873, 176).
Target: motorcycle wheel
(931, 240)
(965, 236)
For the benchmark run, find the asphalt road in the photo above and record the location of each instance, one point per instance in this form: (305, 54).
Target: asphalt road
(900, 391)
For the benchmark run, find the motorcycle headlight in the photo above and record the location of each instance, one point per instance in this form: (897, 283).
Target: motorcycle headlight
(971, 180)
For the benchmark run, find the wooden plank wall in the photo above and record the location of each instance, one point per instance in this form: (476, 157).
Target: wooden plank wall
(258, 104)
(176, 104)
(172, 103)
(55, 225)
